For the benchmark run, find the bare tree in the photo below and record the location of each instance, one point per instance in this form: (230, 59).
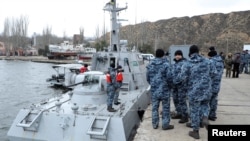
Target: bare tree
(143, 33)
(130, 34)
(47, 35)
(24, 23)
(15, 32)
(81, 29)
(97, 34)
(104, 33)
(64, 35)
(7, 34)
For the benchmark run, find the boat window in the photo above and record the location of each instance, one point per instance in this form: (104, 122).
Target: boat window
(77, 71)
(126, 61)
(91, 79)
(112, 60)
(95, 79)
(135, 63)
(86, 79)
(115, 47)
(141, 63)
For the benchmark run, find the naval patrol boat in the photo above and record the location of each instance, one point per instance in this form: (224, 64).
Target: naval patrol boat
(81, 114)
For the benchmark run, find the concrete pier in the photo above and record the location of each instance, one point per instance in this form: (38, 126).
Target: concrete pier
(233, 108)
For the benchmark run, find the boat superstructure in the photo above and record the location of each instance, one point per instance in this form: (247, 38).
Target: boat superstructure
(86, 53)
(81, 114)
(65, 75)
(63, 50)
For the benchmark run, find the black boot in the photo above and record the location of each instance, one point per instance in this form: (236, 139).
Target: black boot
(117, 103)
(110, 109)
(169, 127)
(183, 120)
(155, 126)
(176, 116)
(189, 125)
(205, 122)
(194, 134)
(212, 118)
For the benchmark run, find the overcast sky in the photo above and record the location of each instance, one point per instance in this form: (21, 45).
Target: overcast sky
(69, 15)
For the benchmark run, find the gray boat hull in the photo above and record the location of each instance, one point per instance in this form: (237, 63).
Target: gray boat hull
(59, 126)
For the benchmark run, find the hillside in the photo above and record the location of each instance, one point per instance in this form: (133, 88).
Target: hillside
(230, 30)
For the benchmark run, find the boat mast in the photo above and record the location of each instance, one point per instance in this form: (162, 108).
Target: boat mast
(114, 33)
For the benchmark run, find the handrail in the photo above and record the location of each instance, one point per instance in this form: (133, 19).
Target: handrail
(20, 124)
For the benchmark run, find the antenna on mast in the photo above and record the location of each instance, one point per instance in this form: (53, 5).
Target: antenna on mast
(114, 33)
(104, 26)
(135, 24)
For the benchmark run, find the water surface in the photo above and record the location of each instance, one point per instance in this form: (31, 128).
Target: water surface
(21, 84)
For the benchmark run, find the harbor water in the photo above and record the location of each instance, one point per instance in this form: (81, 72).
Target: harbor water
(21, 84)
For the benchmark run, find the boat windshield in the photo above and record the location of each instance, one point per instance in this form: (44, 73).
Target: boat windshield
(91, 79)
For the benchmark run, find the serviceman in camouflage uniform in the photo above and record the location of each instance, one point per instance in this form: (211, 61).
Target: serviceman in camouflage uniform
(159, 77)
(118, 85)
(197, 72)
(111, 83)
(180, 90)
(244, 61)
(236, 65)
(216, 81)
(177, 113)
(228, 64)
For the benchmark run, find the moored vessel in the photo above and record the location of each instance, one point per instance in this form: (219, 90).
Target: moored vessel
(81, 114)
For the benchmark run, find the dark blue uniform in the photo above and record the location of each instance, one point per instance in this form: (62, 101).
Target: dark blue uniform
(159, 77)
(216, 81)
(180, 90)
(197, 72)
(111, 87)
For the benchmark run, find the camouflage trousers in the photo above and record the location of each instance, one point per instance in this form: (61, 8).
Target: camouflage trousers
(213, 105)
(111, 94)
(165, 111)
(116, 95)
(176, 102)
(117, 91)
(180, 101)
(198, 109)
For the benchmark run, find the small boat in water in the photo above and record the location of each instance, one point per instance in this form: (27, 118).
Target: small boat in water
(86, 53)
(65, 75)
(63, 50)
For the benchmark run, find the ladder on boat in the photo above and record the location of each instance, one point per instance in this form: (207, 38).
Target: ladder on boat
(98, 128)
(30, 121)
(125, 86)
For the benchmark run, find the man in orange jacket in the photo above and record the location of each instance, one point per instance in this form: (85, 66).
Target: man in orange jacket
(84, 68)
(119, 79)
(111, 87)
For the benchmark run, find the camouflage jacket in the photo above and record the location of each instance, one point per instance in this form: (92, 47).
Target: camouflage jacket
(112, 73)
(198, 72)
(176, 69)
(228, 62)
(216, 80)
(159, 77)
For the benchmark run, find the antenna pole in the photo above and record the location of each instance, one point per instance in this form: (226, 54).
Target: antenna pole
(114, 33)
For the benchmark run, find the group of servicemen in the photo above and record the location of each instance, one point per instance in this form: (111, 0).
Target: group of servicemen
(244, 63)
(237, 63)
(193, 83)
